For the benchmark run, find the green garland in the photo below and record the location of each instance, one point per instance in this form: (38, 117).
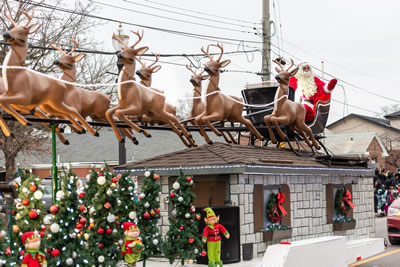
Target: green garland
(273, 213)
(340, 208)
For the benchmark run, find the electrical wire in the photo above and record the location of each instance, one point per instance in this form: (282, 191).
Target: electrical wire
(174, 19)
(198, 12)
(191, 16)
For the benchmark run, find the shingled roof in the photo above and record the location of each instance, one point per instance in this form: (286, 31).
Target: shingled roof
(229, 158)
(378, 121)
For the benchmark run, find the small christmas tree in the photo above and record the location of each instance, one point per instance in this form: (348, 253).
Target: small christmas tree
(183, 240)
(65, 241)
(148, 214)
(125, 210)
(29, 212)
(103, 235)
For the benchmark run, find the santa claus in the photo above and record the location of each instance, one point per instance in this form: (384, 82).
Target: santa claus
(311, 89)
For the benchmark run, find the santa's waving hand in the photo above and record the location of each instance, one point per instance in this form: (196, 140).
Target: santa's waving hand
(311, 89)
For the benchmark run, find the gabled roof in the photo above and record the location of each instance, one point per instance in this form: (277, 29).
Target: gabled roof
(352, 143)
(377, 121)
(393, 115)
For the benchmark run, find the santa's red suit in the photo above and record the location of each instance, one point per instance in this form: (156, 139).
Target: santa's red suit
(311, 93)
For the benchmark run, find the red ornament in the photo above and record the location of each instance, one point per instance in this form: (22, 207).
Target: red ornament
(55, 252)
(107, 205)
(13, 212)
(191, 240)
(100, 245)
(156, 176)
(54, 209)
(82, 221)
(33, 214)
(43, 228)
(41, 234)
(22, 252)
(81, 195)
(100, 174)
(118, 223)
(113, 180)
(181, 227)
(188, 179)
(157, 211)
(119, 176)
(25, 202)
(146, 215)
(79, 226)
(8, 252)
(109, 231)
(82, 208)
(172, 194)
(203, 253)
(100, 231)
(33, 188)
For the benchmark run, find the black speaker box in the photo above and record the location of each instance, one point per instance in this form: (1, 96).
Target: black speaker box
(229, 218)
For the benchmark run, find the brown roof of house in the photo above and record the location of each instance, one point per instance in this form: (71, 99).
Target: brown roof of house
(221, 153)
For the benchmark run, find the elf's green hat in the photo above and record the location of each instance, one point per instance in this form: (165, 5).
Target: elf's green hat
(210, 212)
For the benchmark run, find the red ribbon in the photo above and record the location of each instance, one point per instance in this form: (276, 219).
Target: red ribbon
(347, 198)
(280, 197)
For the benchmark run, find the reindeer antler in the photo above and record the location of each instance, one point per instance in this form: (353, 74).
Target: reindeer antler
(190, 68)
(222, 50)
(207, 53)
(279, 64)
(27, 15)
(76, 46)
(138, 35)
(119, 40)
(58, 47)
(139, 59)
(291, 64)
(10, 18)
(157, 58)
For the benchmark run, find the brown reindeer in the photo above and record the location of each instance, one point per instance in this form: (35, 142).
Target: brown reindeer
(136, 99)
(220, 107)
(28, 89)
(146, 76)
(287, 112)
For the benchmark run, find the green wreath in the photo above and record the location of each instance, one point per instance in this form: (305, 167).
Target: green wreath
(341, 207)
(273, 213)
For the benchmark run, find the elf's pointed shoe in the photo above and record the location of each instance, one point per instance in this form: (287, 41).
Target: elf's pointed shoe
(219, 263)
(211, 264)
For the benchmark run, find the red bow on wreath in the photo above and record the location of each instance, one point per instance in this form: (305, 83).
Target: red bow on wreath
(280, 199)
(347, 198)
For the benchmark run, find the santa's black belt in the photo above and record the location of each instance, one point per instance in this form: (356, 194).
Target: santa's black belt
(213, 235)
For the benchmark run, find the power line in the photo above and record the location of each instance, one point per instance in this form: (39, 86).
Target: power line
(174, 19)
(191, 16)
(198, 12)
(374, 112)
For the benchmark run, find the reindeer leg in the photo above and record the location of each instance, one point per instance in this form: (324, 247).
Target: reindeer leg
(4, 127)
(307, 129)
(5, 103)
(267, 120)
(72, 111)
(251, 127)
(129, 134)
(304, 136)
(212, 117)
(41, 114)
(122, 113)
(283, 120)
(179, 133)
(109, 116)
(197, 121)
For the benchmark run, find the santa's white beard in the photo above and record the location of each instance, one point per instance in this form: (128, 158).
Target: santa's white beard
(306, 83)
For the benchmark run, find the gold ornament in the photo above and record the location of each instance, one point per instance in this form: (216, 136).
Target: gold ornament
(198, 217)
(15, 228)
(152, 213)
(113, 185)
(79, 236)
(18, 216)
(86, 236)
(91, 225)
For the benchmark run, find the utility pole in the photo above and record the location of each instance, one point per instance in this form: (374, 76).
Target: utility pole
(266, 37)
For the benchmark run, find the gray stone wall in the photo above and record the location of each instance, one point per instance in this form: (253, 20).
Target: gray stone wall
(308, 206)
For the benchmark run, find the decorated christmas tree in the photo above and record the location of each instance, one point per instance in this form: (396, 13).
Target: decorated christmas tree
(65, 242)
(29, 212)
(103, 235)
(148, 215)
(4, 244)
(183, 241)
(126, 192)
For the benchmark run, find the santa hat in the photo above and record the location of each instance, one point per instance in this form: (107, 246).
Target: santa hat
(29, 237)
(210, 212)
(130, 227)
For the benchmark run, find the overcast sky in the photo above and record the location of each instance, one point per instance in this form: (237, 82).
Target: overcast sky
(357, 40)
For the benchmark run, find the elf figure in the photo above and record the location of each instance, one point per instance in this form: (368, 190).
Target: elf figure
(33, 257)
(212, 235)
(132, 246)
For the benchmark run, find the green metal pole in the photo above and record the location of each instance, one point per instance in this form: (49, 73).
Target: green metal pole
(54, 158)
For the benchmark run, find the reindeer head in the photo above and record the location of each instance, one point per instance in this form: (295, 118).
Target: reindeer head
(67, 60)
(145, 72)
(18, 35)
(128, 53)
(212, 67)
(196, 78)
(283, 75)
